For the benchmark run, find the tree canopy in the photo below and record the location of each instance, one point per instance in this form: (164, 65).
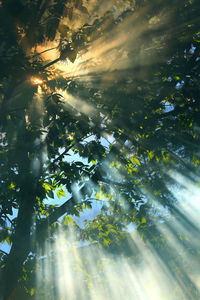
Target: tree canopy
(114, 84)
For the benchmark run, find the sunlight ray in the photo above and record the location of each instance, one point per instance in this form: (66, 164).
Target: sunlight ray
(159, 273)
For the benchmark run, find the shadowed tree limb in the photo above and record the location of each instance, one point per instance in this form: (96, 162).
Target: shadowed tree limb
(37, 54)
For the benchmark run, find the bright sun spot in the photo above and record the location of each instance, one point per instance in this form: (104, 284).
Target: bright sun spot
(36, 81)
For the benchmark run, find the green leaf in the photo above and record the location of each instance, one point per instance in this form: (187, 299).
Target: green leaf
(46, 186)
(150, 155)
(60, 193)
(67, 221)
(12, 186)
(106, 242)
(135, 160)
(144, 220)
(31, 292)
(8, 240)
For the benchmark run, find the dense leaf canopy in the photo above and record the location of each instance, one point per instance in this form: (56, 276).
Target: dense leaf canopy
(98, 102)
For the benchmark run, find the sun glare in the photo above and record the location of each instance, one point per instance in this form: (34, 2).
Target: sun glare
(36, 81)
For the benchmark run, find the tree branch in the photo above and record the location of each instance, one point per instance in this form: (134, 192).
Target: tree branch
(11, 222)
(58, 212)
(41, 52)
(66, 207)
(66, 150)
(3, 252)
(62, 154)
(51, 63)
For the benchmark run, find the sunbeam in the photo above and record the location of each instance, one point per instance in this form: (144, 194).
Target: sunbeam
(161, 265)
(99, 150)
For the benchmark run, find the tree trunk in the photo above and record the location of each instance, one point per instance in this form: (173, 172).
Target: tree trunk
(27, 183)
(19, 250)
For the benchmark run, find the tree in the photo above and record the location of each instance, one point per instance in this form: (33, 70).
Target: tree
(147, 101)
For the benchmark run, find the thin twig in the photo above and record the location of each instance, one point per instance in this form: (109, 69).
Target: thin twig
(51, 63)
(9, 219)
(62, 154)
(41, 52)
(66, 150)
(3, 252)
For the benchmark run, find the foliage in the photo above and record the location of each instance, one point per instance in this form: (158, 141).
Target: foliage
(148, 111)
